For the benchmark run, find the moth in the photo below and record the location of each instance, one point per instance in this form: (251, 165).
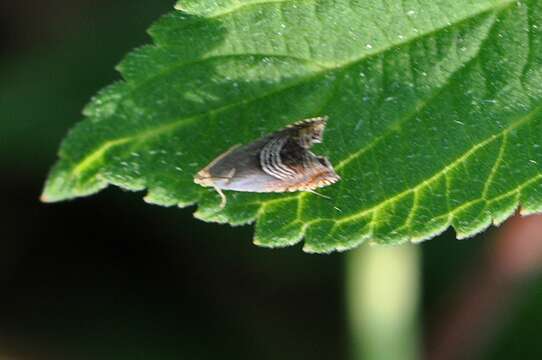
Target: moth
(278, 162)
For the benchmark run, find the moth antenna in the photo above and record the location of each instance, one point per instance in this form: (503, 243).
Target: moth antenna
(223, 200)
(222, 156)
(316, 193)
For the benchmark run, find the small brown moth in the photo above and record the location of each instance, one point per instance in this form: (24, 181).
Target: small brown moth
(278, 162)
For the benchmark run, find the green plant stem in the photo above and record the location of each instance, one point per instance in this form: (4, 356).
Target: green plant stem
(382, 285)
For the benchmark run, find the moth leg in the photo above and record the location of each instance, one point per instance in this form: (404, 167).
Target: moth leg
(223, 198)
(220, 192)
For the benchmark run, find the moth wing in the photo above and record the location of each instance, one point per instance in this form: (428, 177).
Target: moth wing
(294, 168)
(317, 172)
(304, 131)
(309, 131)
(277, 162)
(238, 169)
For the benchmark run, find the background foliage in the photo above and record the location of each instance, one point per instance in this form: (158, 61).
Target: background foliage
(148, 281)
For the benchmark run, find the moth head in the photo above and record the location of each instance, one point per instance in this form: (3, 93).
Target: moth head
(203, 178)
(206, 179)
(311, 131)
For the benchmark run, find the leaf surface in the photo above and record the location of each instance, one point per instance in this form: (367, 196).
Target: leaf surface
(435, 115)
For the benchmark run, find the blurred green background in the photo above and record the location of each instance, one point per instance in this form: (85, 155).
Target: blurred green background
(110, 277)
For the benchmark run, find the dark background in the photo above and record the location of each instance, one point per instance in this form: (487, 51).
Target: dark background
(110, 277)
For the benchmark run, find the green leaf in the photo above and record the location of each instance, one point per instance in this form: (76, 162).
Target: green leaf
(435, 115)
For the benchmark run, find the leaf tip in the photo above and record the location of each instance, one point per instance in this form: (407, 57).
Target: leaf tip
(63, 184)
(50, 195)
(50, 192)
(44, 198)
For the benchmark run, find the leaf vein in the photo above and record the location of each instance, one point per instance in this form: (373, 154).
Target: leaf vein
(447, 168)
